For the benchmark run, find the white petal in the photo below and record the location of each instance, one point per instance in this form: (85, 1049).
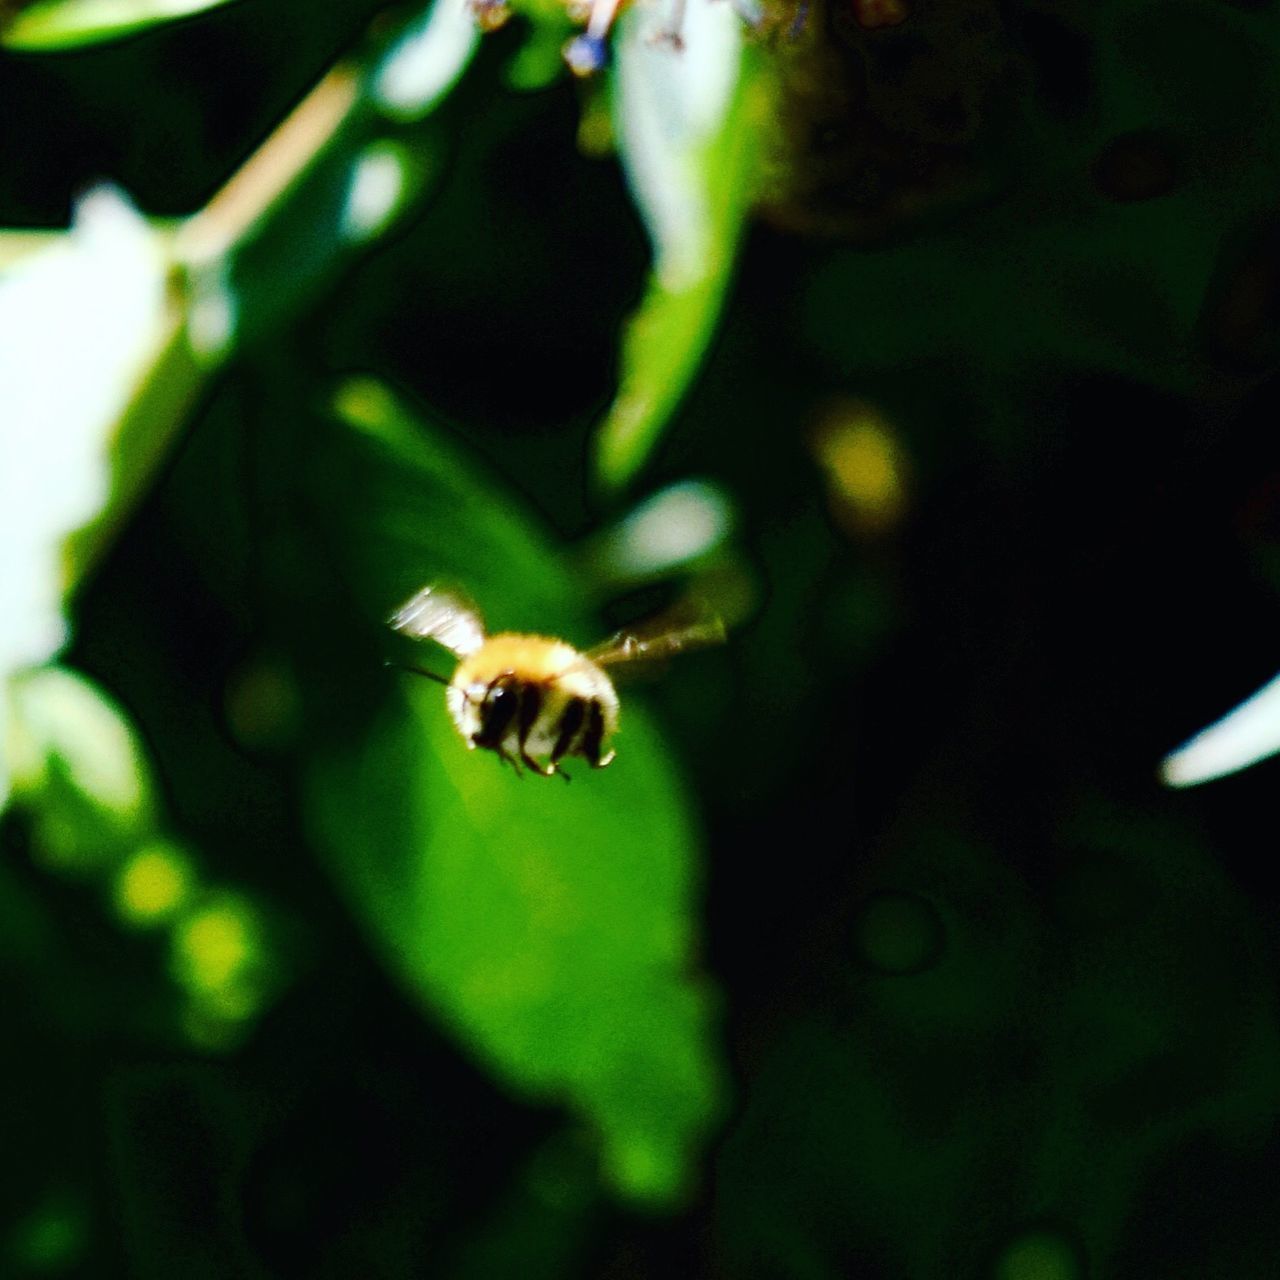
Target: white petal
(79, 324)
(1242, 737)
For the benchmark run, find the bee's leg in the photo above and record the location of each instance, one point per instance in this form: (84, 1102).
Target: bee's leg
(545, 770)
(507, 758)
(604, 762)
(561, 772)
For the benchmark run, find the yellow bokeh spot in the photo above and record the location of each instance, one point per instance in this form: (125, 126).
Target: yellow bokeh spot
(866, 474)
(215, 949)
(153, 884)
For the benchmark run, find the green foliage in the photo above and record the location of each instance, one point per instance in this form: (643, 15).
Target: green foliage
(550, 926)
(77, 762)
(594, 1007)
(300, 985)
(690, 138)
(67, 24)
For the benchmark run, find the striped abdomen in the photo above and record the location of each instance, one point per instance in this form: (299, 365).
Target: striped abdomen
(539, 721)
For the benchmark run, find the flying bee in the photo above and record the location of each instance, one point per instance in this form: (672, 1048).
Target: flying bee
(528, 697)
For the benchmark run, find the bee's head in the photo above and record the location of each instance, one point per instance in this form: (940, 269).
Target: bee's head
(492, 709)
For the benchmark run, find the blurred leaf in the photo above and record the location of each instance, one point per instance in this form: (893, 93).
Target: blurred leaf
(549, 925)
(340, 171)
(1242, 737)
(65, 24)
(540, 60)
(78, 765)
(688, 127)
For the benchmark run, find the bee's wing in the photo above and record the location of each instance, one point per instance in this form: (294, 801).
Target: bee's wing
(444, 615)
(694, 626)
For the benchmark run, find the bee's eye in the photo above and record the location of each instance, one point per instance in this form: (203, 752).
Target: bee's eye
(496, 713)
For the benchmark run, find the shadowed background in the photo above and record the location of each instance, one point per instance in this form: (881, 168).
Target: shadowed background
(881, 951)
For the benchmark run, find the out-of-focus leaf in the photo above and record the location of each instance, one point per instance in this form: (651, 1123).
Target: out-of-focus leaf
(76, 760)
(550, 926)
(1242, 737)
(338, 172)
(540, 61)
(64, 24)
(688, 128)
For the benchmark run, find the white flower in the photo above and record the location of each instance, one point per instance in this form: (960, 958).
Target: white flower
(79, 325)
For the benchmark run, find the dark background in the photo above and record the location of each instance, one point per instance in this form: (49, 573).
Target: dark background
(994, 1001)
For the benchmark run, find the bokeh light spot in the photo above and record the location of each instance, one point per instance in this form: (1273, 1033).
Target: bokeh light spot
(216, 949)
(682, 524)
(153, 884)
(864, 467)
(898, 933)
(379, 181)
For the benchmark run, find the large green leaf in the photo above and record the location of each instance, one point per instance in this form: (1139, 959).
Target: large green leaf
(550, 926)
(64, 24)
(689, 128)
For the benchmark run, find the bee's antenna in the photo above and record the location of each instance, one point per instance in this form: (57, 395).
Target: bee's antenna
(417, 671)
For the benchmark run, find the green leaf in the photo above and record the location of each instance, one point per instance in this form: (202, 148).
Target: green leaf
(549, 926)
(688, 126)
(66, 24)
(540, 60)
(79, 768)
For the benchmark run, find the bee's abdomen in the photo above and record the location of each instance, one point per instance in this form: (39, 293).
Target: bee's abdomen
(569, 729)
(578, 728)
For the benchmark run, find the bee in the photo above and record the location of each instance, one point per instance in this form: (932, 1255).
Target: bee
(534, 700)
